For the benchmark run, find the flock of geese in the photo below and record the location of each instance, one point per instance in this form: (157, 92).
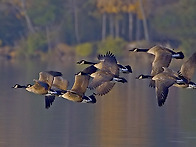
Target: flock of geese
(101, 76)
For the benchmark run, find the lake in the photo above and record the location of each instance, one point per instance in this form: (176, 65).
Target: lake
(126, 116)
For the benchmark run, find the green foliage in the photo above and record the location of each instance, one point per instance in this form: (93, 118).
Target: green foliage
(169, 19)
(11, 28)
(188, 46)
(111, 44)
(84, 50)
(178, 22)
(35, 42)
(44, 14)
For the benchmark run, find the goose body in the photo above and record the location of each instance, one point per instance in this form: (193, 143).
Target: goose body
(162, 58)
(77, 92)
(163, 81)
(168, 78)
(186, 73)
(42, 86)
(153, 50)
(105, 73)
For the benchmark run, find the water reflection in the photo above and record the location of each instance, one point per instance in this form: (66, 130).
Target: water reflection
(127, 116)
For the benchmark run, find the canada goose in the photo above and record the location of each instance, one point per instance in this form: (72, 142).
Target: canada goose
(187, 71)
(124, 69)
(42, 86)
(104, 63)
(105, 87)
(169, 77)
(154, 49)
(163, 81)
(77, 92)
(104, 73)
(163, 57)
(101, 77)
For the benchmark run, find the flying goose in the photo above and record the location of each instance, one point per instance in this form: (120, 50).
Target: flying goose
(163, 57)
(163, 81)
(42, 86)
(180, 79)
(104, 59)
(105, 73)
(77, 92)
(187, 71)
(154, 49)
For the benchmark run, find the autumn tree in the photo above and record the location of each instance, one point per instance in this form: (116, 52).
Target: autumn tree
(110, 8)
(129, 7)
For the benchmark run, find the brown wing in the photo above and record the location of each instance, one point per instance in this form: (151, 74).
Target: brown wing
(80, 84)
(108, 62)
(161, 93)
(162, 59)
(99, 78)
(188, 68)
(60, 83)
(104, 88)
(162, 87)
(46, 77)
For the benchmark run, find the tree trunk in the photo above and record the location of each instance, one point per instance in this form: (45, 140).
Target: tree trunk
(137, 29)
(76, 23)
(48, 39)
(103, 35)
(130, 17)
(27, 18)
(116, 28)
(111, 25)
(146, 34)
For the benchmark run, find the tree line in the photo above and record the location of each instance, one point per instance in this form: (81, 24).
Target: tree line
(40, 25)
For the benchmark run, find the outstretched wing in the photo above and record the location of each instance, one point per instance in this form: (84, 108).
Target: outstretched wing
(162, 59)
(104, 88)
(162, 89)
(80, 84)
(48, 101)
(60, 83)
(188, 68)
(99, 78)
(108, 57)
(48, 76)
(108, 62)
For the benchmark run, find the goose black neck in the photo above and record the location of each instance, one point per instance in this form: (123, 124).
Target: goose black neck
(147, 77)
(89, 70)
(139, 50)
(21, 86)
(144, 77)
(142, 50)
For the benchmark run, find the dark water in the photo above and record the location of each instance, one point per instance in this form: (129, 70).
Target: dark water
(127, 116)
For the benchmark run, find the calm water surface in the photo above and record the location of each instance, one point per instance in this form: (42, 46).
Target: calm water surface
(127, 116)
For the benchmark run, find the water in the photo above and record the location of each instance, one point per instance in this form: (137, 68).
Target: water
(127, 116)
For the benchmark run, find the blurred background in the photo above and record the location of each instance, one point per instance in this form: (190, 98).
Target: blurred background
(86, 27)
(39, 35)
